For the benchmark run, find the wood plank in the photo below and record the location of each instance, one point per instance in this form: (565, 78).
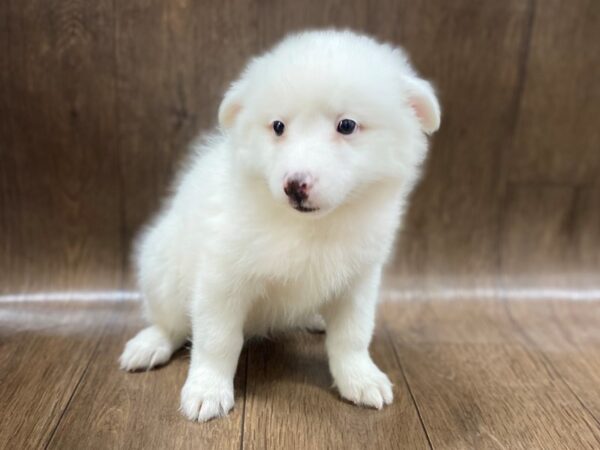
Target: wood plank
(587, 224)
(79, 121)
(483, 375)
(550, 236)
(478, 384)
(44, 351)
(277, 19)
(155, 97)
(170, 84)
(557, 136)
(291, 403)
(59, 201)
(451, 226)
(537, 234)
(114, 409)
(567, 334)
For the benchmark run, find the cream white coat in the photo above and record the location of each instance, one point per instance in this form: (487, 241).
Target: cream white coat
(228, 257)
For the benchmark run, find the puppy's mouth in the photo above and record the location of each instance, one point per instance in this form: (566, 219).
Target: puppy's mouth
(303, 209)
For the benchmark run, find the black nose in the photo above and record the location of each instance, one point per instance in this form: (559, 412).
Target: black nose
(296, 190)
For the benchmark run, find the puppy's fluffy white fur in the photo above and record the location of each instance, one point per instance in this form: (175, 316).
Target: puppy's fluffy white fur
(229, 256)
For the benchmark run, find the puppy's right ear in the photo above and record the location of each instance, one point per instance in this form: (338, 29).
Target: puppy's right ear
(231, 105)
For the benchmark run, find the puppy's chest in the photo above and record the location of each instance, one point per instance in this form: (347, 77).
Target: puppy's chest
(307, 264)
(295, 286)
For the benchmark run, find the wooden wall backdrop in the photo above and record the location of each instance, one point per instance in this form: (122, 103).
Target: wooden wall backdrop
(99, 99)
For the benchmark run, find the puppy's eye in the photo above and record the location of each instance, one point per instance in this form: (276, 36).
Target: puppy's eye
(346, 126)
(278, 127)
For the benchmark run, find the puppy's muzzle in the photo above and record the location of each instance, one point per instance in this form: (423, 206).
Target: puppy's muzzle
(297, 187)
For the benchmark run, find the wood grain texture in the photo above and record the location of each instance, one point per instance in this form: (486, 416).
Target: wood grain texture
(169, 87)
(291, 403)
(155, 85)
(550, 237)
(59, 202)
(557, 137)
(120, 410)
(451, 227)
(276, 19)
(539, 231)
(479, 384)
(566, 334)
(472, 374)
(100, 101)
(44, 352)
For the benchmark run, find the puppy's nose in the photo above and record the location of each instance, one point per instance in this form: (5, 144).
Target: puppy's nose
(297, 187)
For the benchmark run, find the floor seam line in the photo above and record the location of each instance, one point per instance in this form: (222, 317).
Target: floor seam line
(410, 392)
(245, 399)
(75, 390)
(551, 366)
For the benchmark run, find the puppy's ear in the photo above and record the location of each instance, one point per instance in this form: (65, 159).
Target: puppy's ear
(231, 105)
(422, 99)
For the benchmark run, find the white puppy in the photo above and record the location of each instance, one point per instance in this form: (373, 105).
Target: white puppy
(288, 211)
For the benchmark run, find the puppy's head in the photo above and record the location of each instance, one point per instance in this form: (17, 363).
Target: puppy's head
(326, 115)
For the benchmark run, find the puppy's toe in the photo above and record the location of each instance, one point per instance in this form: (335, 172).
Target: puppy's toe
(366, 386)
(149, 348)
(203, 401)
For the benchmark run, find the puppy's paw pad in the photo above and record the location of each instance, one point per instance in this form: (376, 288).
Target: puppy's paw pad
(202, 403)
(149, 348)
(369, 387)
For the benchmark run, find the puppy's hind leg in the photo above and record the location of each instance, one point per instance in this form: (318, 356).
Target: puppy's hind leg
(164, 302)
(151, 347)
(154, 345)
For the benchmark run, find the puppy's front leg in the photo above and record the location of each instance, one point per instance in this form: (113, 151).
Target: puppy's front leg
(217, 337)
(350, 321)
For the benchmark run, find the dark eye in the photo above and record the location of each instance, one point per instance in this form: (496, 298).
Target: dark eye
(278, 127)
(346, 126)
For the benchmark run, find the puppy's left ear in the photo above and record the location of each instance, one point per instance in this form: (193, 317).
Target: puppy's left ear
(423, 101)
(231, 105)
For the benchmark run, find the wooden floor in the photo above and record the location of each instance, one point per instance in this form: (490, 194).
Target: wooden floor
(467, 374)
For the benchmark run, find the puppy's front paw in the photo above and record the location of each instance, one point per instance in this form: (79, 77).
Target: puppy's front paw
(206, 398)
(149, 348)
(364, 384)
